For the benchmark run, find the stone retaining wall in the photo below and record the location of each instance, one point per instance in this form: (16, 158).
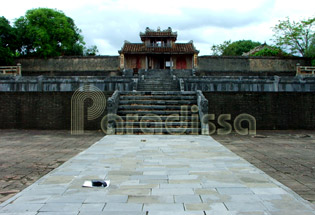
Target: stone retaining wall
(52, 110)
(207, 65)
(239, 65)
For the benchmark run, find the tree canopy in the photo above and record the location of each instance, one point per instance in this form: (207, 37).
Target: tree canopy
(7, 42)
(270, 51)
(296, 37)
(46, 32)
(236, 48)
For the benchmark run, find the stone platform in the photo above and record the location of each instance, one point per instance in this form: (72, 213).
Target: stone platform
(158, 174)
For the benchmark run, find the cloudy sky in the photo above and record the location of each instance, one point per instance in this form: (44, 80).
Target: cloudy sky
(107, 23)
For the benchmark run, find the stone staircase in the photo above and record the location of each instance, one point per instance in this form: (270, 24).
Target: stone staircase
(158, 84)
(158, 80)
(158, 112)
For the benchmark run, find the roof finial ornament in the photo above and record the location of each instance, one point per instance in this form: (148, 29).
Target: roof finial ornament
(158, 29)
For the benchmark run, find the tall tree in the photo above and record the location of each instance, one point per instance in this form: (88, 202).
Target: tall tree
(236, 48)
(294, 36)
(219, 49)
(7, 42)
(46, 32)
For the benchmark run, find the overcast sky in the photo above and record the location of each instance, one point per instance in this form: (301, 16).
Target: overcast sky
(107, 23)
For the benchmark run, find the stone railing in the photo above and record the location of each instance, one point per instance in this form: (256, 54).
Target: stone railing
(181, 84)
(113, 102)
(305, 70)
(203, 111)
(112, 107)
(250, 84)
(63, 84)
(11, 70)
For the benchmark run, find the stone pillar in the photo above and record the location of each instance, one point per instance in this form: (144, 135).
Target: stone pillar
(146, 63)
(122, 61)
(171, 61)
(19, 69)
(195, 61)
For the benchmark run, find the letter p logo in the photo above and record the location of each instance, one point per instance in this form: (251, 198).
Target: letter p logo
(77, 106)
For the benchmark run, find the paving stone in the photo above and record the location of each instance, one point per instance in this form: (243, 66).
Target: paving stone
(165, 207)
(22, 213)
(21, 208)
(245, 207)
(187, 199)
(94, 207)
(234, 190)
(61, 207)
(32, 199)
(150, 199)
(204, 206)
(175, 186)
(114, 213)
(123, 207)
(59, 213)
(176, 213)
(140, 192)
(100, 198)
(172, 191)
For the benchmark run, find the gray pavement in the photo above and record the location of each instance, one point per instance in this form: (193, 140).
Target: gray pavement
(158, 174)
(27, 155)
(286, 155)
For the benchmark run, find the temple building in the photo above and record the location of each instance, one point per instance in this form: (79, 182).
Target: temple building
(158, 50)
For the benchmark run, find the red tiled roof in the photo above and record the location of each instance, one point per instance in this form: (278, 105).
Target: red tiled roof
(180, 48)
(158, 33)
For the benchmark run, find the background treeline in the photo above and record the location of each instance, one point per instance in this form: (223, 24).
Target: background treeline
(42, 32)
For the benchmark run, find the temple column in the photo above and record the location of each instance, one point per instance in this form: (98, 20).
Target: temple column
(122, 61)
(146, 63)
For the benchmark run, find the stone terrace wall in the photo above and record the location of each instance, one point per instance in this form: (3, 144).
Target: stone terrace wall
(76, 65)
(218, 65)
(277, 110)
(41, 110)
(207, 65)
(52, 110)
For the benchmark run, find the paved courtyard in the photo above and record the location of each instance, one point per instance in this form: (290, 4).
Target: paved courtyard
(158, 175)
(287, 156)
(27, 155)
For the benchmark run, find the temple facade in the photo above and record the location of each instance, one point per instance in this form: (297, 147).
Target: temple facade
(158, 50)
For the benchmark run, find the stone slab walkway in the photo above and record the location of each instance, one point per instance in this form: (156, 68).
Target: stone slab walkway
(157, 175)
(287, 156)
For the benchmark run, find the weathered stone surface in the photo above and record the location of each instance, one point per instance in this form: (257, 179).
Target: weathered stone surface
(225, 176)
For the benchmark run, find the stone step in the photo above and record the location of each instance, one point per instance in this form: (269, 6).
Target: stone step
(159, 93)
(158, 102)
(155, 98)
(178, 117)
(154, 107)
(138, 124)
(157, 88)
(158, 130)
(158, 82)
(156, 112)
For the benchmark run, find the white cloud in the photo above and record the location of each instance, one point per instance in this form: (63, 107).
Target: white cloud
(107, 23)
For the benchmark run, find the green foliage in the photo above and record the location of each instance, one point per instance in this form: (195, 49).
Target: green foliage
(45, 32)
(7, 42)
(270, 51)
(237, 48)
(92, 51)
(219, 49)
(294, 36)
